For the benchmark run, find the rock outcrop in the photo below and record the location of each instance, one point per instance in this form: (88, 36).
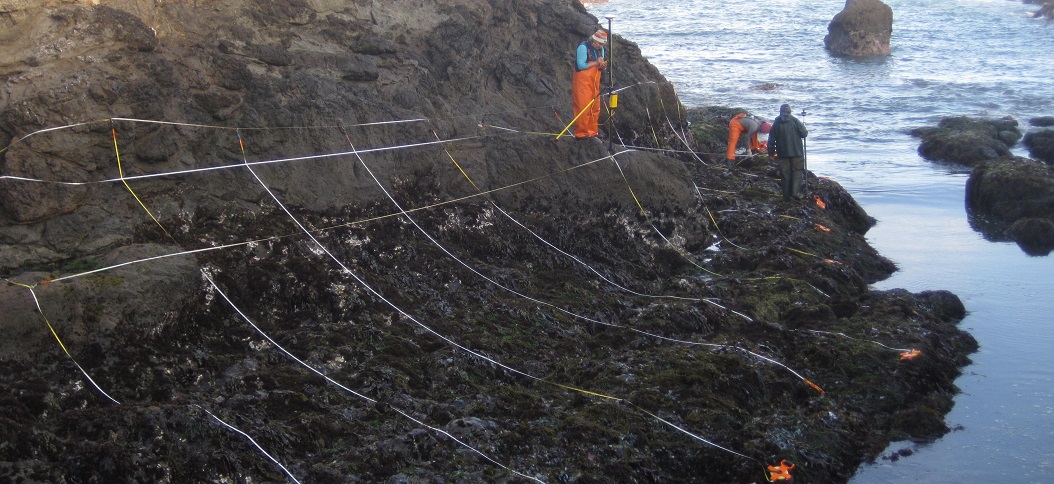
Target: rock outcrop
(862, 29)
(1040, 144)
(968, 141)
(347, 230)
(327, 68)
(1046, 9)
(1042, 121)
(1013, 199)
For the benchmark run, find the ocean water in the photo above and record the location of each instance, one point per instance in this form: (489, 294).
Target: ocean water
(949, 58)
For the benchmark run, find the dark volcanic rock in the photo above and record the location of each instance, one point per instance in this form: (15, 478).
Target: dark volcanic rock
(1034, 235)
(861, 29)
(1014, 198)
(467, 274)
(1042, 121)
(968, 141)
(1040, 144)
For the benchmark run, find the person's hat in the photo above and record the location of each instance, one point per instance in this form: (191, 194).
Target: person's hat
(600, 37)
(766, 127)
(785, 109)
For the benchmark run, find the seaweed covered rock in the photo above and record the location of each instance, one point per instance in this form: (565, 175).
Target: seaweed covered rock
(342, 229)
(840, 205)
(1040, 144)
(709, 128)
(1034, 235)
(1013, 198)
(968, 141)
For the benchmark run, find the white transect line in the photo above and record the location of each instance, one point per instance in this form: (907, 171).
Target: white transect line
(45, 130)
(553, 246)
(515, 292)
(356, 152)
(79, 367)
(426, 234)
(345, 388)
(253, 441)
(275, 237)
(107, 395)
(210, 126)
(395, 307)
(277, 345)
(857, 339)
(681, 138)
(223, 167)
(587, 266)
(701, 439)
(237, 165)
(156, 257)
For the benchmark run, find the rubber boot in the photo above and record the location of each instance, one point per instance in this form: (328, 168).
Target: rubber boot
(796, 183)
(788, 185)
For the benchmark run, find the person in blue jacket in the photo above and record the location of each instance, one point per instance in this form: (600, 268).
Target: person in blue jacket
(590, 61)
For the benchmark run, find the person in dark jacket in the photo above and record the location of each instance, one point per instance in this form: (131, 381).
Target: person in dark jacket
(787, 145)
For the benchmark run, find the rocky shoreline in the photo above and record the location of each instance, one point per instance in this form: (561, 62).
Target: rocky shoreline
(813, 315)
(649, 315)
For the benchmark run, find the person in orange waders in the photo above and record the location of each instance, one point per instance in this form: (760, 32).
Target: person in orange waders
(590, 61)
(742, 123)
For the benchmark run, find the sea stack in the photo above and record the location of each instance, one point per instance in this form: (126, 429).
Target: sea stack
(861, 29)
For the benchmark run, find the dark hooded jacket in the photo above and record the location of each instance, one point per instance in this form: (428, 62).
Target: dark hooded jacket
(785, 138)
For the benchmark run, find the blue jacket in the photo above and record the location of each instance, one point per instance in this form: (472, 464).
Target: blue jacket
(586, 54)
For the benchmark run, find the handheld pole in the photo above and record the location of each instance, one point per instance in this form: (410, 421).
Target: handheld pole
(611, 77)
(805, 158)
(612, 101)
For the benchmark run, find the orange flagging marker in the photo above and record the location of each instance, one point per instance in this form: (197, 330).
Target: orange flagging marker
(909, 355)
(819, 201)
(781, 473)
(822, 228)
(815, 386)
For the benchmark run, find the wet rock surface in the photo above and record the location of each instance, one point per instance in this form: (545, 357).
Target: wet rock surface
(561, 324)
(1042, 121)
(802, 309)
(1013, 199)
(1040, 144)
(967, 141)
